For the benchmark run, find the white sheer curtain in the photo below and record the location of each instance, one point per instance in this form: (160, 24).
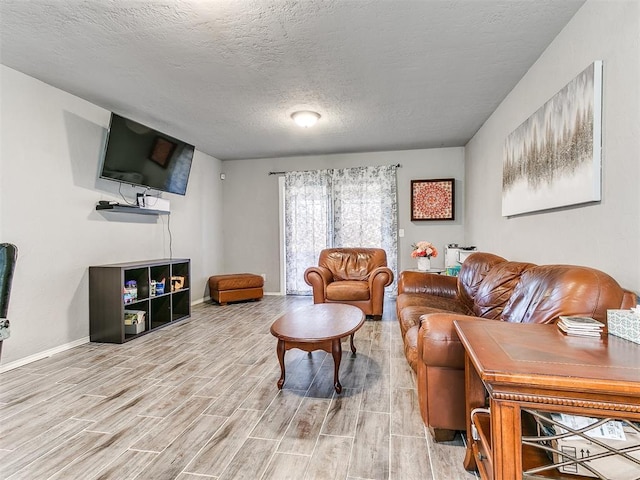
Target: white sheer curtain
(351, 207)
(307, 224)
(365, 211)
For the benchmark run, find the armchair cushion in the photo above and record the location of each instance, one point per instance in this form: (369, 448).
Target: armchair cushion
(346, 290)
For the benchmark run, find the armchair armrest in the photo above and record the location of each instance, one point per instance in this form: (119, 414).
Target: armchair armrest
(318, 278)
(438, 342)
(431, 283)
(379, 278)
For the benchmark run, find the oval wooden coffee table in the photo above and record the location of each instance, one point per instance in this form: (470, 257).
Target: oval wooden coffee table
(317, 327)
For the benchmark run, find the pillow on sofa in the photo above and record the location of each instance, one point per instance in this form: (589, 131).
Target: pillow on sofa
(474, 269)
(495, 290)
(547, 291)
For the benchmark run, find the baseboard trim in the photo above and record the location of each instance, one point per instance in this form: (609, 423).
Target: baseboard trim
(67, 346)
(39, 356)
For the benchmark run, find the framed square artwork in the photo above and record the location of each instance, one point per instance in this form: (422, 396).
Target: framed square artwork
(433, 199)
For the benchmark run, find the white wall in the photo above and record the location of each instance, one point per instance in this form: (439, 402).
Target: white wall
(605, 235)
(50, 148)
(250, 198)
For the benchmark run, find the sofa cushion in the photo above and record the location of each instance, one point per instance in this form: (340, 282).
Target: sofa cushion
(474, 269)
(427, 300)
(547, 291)
(496, 288)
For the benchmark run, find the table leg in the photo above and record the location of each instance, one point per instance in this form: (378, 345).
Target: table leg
(474, 397)
(336, 352)
(280, 350)
(353, 347)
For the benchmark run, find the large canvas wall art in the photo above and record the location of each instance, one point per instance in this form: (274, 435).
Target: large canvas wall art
(553, 159)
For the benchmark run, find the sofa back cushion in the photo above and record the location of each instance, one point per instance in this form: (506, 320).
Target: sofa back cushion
(473, 271)
(352, 263)
(496, 289)
(545, 292)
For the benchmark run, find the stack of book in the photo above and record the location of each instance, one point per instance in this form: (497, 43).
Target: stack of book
(580, 326)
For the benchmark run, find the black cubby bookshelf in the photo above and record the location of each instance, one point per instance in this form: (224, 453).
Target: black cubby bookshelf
(107, 303)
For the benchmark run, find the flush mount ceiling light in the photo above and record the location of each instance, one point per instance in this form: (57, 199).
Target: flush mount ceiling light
(305, 118)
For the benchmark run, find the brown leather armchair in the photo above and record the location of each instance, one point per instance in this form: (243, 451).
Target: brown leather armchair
(356, 276)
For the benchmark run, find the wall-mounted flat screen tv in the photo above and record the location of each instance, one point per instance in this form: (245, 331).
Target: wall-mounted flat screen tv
(139, 155)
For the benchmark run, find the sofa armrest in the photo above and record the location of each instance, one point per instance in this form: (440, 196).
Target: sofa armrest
(431, 283)
(318, 278)
(629, 299)
(438, 342)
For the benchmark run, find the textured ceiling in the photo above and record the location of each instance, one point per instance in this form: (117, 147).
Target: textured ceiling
(226, 75)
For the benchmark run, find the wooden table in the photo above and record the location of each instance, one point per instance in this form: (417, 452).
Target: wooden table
(317, 327)
(536, 367)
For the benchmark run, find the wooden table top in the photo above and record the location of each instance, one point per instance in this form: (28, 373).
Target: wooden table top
(318, 322)
(541, 356)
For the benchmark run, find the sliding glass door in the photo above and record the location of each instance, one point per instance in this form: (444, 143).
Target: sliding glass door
(351, 207)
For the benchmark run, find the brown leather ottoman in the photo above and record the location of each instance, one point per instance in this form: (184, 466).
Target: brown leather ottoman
(235, 287)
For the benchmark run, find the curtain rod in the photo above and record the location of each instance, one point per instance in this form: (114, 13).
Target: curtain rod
(397, 165)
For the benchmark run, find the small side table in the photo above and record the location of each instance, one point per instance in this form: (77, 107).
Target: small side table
(535, 367)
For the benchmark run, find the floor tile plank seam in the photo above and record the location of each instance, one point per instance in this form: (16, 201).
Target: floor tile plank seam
(170, 442)
(101, 432)
(320, 435)
(312, 383)
(367, 410)
(353, 446)
(337, 436)
(388, 439)
(407, 436)
(204, 445)
(273, 455)
(135, 449)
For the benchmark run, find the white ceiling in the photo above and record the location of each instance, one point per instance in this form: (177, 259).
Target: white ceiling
(225, 75)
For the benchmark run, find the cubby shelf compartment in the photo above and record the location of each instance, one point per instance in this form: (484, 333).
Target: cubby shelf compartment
(106, 301)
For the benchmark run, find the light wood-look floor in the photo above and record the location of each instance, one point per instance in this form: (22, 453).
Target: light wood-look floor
(198, 400)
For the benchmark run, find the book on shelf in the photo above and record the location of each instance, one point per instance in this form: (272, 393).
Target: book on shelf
(580, 326)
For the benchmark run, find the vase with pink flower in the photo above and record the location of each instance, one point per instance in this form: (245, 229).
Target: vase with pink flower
(423, 251)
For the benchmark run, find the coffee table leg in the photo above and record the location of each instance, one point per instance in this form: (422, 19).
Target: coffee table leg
(353, 347)
(336, 352)
(280, 350)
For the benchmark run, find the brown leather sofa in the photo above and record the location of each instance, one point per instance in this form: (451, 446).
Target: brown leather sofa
(487, 288)
(356, 276)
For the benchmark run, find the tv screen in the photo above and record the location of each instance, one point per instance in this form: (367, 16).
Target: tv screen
(139, 155)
